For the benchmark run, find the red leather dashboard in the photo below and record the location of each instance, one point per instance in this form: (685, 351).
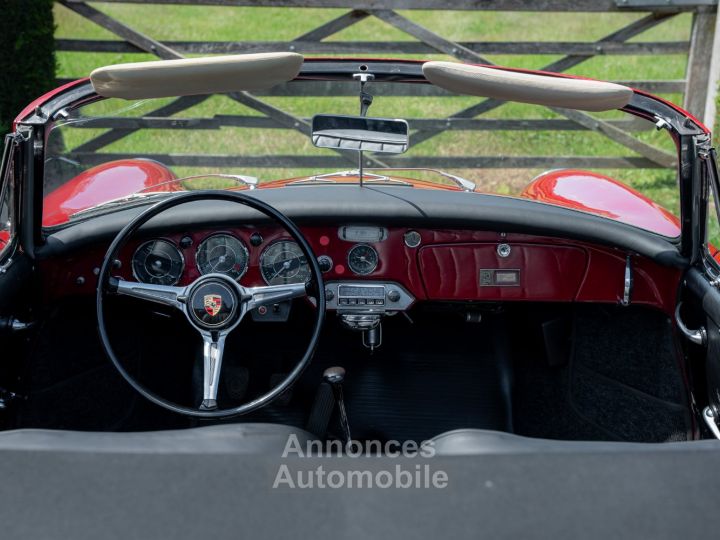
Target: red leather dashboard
(538, 271)
(446, 266)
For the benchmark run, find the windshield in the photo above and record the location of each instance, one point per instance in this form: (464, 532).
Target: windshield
(130, 149)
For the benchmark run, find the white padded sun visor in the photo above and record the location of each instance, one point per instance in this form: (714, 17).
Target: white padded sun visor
(192, 76)
(496, 83)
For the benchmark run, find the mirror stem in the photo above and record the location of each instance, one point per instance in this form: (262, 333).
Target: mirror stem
(365, 102)
(365, 98)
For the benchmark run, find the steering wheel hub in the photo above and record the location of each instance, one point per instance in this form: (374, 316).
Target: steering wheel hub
(213, 305)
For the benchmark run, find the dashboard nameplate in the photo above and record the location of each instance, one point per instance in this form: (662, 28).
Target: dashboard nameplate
(499, 277)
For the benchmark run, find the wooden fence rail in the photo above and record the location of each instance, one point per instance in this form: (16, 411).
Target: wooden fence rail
(698, 86)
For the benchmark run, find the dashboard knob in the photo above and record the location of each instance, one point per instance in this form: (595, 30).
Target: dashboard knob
(329, 294)
(325, 263)
(393, 295)
(256, 239)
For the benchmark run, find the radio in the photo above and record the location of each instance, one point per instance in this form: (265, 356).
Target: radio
(367, 296)
(361, 295)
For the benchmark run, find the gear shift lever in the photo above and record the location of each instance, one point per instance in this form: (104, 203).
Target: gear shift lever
(335, 376)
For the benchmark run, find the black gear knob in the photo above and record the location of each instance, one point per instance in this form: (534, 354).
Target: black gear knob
(334, 375)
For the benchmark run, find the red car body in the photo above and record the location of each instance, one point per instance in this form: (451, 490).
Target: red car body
(576, 189)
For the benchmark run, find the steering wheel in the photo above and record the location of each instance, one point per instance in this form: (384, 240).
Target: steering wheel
(214, 304)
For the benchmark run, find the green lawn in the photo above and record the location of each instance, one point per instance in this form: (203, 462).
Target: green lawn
(226, 24)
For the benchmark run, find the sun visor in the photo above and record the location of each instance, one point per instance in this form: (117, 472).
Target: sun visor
(192, 76)
(546, 90)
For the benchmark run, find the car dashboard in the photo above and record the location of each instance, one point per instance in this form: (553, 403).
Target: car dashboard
(378, 269)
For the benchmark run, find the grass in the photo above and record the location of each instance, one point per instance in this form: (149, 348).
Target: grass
(257, 24)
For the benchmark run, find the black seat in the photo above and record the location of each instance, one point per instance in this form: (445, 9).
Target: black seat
(220, 439)
(479, 441)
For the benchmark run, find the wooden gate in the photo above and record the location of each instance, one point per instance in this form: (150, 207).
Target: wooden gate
(698, 87)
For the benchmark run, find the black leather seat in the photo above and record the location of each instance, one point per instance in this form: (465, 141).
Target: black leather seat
(220, 439)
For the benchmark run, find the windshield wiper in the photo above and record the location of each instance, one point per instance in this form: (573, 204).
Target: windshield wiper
(150, 193)
(369, 177)
(121, 201)
(462, 183)
(250, 181)
(327, 178)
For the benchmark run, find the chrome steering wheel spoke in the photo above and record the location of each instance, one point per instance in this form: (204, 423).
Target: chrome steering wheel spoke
(213, 346)
(215, 305)
(273, 294)
(161, 294)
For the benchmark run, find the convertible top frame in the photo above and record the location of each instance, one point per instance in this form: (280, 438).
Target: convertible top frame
(688, 133)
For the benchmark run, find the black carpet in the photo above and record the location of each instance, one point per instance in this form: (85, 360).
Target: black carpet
(428, 377)
(71, 384)
(621, 380)
(625, 377)
(618, 380)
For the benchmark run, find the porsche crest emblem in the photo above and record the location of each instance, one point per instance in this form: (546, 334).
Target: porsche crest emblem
(213, 304)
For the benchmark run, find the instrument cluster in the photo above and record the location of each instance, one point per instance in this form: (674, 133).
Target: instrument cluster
(278, 260)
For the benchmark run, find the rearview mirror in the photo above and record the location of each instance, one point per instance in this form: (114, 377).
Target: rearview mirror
(383, 135)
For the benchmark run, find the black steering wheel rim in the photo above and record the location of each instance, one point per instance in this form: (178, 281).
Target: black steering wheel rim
(251, 202)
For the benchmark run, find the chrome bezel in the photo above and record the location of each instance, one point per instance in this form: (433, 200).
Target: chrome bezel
(504, 250)
(242, 245)
(349, 258)
(272, 244)
(177, 250)
(414, 234)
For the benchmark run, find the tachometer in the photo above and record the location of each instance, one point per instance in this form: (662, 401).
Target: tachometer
(158, 262)
(223, 254)
(362, 259)
(284, 262)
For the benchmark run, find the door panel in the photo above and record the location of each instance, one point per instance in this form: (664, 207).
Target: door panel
(16, 271)
(703, 312)
(15, 266)
(14, 281)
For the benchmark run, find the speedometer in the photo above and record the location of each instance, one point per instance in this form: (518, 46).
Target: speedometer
(223, 254)
(284, 262)
(158, 262)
